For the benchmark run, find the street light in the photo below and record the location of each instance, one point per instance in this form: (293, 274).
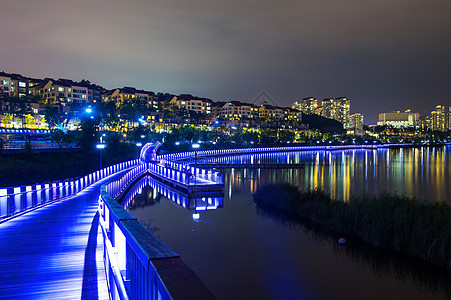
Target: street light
(195, 146)
(177, 144)
(100, 147)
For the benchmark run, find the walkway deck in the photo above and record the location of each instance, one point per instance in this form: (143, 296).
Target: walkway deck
(55, 252)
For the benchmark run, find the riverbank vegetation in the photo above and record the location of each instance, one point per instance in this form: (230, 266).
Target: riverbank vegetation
(419, 229)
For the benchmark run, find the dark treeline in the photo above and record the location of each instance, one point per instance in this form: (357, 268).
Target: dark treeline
(419, 229)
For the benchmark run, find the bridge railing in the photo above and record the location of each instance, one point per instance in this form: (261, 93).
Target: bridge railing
(36, 145)
(185, 173)
(137, 264)
(115, 188)
(175, 157)
(14, 200)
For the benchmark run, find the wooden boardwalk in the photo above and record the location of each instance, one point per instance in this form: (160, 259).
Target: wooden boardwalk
(55, 252)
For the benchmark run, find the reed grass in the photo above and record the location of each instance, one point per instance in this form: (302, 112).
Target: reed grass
(397, 222)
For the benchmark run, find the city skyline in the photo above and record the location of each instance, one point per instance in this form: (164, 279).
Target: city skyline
(384, 56)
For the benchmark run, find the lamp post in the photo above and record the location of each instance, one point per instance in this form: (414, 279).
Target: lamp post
(195, 146)
(100, 147)
(177, 144)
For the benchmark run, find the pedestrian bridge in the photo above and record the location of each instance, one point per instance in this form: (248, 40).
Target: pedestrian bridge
(73, 239)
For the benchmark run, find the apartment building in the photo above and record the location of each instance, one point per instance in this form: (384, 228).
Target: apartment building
(63, 92)
(308, 105)
(356, 122)
(328, 108)
(190, 103)
(440, 119)
(235, 110)
(342, 111)
(270, 112)
(16, 85)
(292, 115)
(130, 94)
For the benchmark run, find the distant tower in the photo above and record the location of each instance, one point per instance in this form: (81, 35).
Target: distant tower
(356, 121)
(342, 111)
(328, 108)
(439, 118)
(309, 105)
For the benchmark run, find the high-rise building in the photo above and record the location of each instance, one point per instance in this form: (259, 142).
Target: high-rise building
(356, 121)
(439, 119)
(328, 110)
(342, 111)
(448, 125)
(309, 106)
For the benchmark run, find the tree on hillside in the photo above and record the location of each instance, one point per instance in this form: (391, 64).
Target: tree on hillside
(29, 120)
(53, 116)
(7, 119)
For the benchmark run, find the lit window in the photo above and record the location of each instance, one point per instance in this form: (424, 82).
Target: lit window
(60, 89)
(22, 84)
(5, 82)
(69, 90)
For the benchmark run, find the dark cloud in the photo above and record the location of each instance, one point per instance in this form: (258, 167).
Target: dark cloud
(385, 55)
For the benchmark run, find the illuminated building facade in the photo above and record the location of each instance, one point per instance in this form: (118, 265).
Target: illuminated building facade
(399, 119)
(307, 106)
(190, 103)
(129, 94)
(293, 115)
(356, 121)
(440, 119)
(328, 108)
(16, 85)
(342, 111)
(235, 110)
(270, 112)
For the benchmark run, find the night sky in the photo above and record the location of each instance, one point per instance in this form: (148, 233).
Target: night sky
(383, 54)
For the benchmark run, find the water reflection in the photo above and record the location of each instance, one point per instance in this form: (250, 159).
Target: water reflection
(147, 192)
(242, 251)
(383, 264)
(424, 173)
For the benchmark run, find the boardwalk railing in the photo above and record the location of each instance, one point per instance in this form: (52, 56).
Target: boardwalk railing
(137, 264)
(15, 200)
(184, 173)
(35, 145)
(174, 157)
(209, 200)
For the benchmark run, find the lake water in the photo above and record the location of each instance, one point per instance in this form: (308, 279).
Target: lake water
(242, 251)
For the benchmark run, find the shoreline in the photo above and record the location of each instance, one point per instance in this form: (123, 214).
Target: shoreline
(406, 225)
